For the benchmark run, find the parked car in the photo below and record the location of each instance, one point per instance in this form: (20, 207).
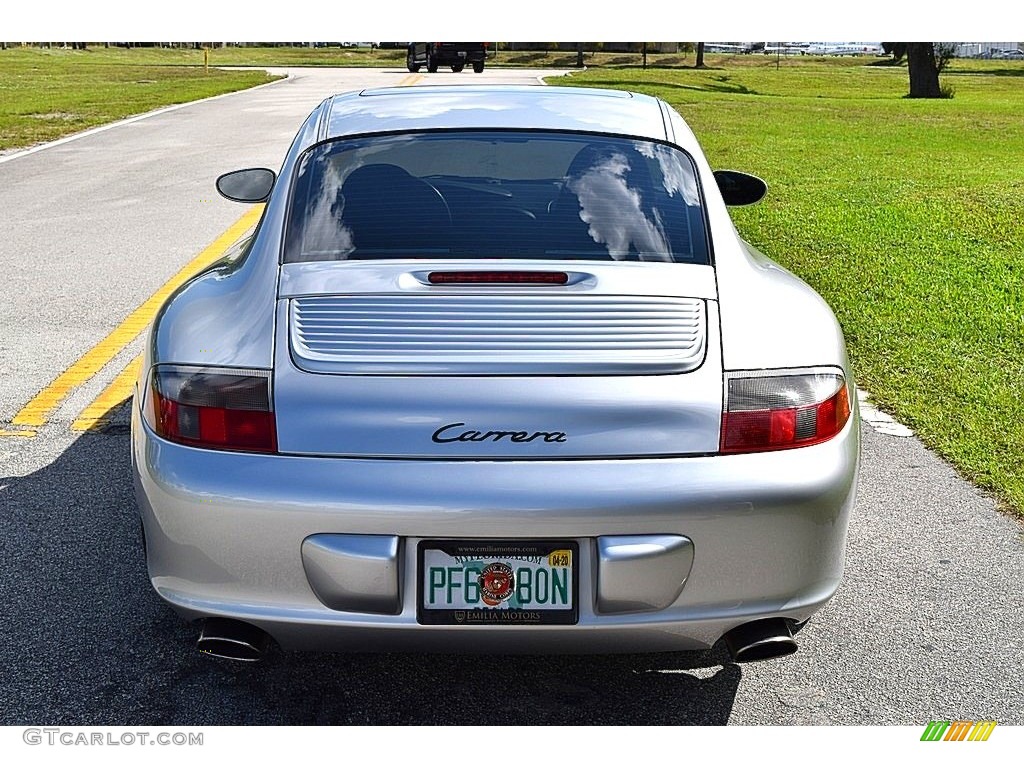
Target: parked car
(454, 55)
(495, 373)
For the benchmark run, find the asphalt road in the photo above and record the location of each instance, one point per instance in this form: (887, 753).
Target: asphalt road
(927, 625)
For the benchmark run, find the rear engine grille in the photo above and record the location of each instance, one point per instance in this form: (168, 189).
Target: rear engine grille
(487, 334)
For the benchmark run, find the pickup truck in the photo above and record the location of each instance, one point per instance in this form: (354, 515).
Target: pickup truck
(454, 55)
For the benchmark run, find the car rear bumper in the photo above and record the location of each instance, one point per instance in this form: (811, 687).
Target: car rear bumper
(225, 535)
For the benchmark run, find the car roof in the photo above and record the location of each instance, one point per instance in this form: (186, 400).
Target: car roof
(499, 106)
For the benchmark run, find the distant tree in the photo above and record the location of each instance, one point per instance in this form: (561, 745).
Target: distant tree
(944, 53)
(896, 50)
(700, 57)
(924, 62)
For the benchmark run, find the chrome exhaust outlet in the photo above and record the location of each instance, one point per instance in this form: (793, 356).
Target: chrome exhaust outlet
(760, 640)
(232, 639)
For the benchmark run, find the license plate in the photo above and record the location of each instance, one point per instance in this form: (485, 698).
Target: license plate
(498, 583)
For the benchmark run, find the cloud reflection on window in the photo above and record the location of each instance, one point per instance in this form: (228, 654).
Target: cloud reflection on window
(614, 214)
(673, 176)
(325, 235)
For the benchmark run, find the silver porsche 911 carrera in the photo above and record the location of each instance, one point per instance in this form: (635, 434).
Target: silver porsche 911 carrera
(495, 372)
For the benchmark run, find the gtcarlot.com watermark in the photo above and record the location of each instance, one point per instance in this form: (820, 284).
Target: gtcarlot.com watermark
(70, 737)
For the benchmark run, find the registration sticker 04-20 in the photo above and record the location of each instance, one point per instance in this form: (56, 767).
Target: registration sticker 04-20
(498, 582)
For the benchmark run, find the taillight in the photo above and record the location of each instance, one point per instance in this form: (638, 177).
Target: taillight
(773, 411)
(226, 409)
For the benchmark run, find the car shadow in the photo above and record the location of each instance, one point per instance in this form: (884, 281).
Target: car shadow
(85, 640)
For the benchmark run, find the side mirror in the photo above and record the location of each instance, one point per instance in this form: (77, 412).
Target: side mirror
(740, 188)
(251, 185)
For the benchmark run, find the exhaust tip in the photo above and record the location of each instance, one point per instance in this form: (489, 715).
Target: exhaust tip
(760, 640)
(232, 639)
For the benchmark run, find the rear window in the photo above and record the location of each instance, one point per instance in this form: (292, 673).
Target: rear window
(491, 194)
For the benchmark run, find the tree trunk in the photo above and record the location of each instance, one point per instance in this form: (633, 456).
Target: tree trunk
(924, 73)
(579, 55)
(700, 56)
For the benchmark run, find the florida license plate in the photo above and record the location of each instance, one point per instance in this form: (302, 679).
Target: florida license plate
(490, 583)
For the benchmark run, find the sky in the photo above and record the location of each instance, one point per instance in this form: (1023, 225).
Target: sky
(652, 20)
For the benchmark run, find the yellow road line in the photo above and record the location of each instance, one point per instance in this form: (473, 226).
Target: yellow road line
(410, 79)
(42, 405)
(17, 433)
(95, 414)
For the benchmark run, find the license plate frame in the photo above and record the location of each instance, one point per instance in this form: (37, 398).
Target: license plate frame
(510, 611)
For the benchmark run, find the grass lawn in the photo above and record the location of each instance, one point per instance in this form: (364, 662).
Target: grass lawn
(904, 214)
(49, 93)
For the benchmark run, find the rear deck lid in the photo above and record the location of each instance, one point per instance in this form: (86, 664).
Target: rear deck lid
(374, 359)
